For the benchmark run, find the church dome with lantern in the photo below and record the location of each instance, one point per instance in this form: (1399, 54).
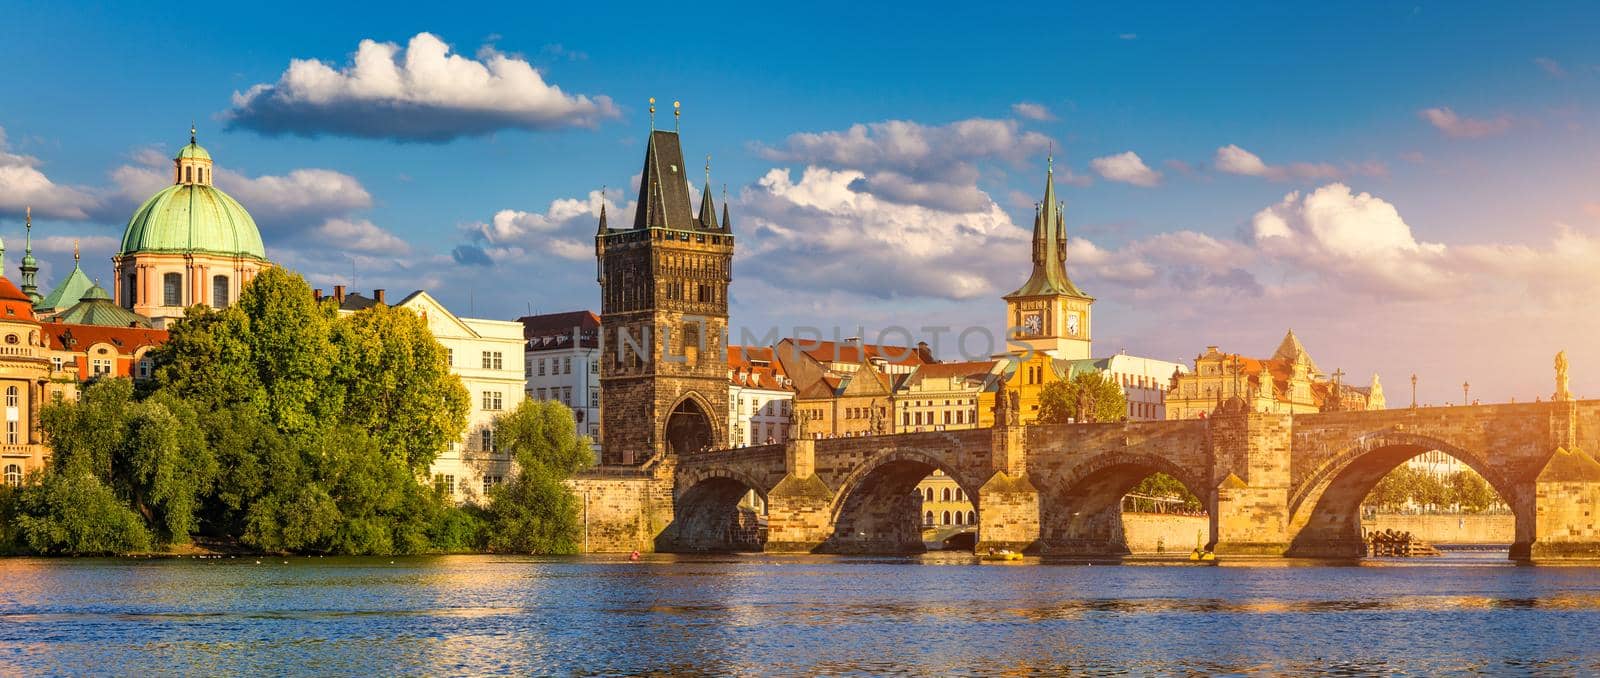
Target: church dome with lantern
(189, 244)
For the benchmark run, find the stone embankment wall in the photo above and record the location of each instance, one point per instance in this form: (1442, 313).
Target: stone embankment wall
(1449, 529)
(622, 512)
(1150, 533)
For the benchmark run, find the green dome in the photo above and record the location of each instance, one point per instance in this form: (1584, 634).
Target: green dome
(193, 151)
(193, 218)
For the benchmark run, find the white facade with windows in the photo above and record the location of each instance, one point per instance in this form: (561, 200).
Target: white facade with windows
(487, 355)
(565, 368)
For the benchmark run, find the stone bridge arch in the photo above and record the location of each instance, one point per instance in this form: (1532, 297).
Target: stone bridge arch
(1082, 512)
(690, 426)
(707, 510)
(875, 508)
(1324, 506)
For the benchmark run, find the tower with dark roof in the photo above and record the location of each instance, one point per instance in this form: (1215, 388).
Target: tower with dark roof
(664, 317)
(1049, 313)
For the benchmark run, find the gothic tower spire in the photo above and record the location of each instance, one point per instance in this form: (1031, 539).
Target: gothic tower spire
(708, 209)
(30, 266)
(1049, 313)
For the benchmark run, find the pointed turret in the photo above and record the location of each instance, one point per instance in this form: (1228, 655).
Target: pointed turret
(1290, 350)
(603, 228)
(30, 265)
(727, 224)
(1049, 247)
(707, 221)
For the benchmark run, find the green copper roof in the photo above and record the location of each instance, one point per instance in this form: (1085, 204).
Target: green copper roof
(96, 308)
(1049, 249)
(193, 151)
(193, 218)
(68, 291)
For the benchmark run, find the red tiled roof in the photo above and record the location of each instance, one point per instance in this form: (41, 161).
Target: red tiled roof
(851, 352)
(125, 339)
(756, 367)
(13, 303)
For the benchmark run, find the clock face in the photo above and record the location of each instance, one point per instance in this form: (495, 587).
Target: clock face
(1072, 324)
(1032, 323)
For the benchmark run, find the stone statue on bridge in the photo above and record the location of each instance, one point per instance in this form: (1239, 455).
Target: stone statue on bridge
(1006, 404)
(1562, 391)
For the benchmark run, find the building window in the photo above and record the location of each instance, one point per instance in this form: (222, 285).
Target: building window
(486, 440)
(491, 481)
(594, 367)
(594, 398)
(131, 291)
(145, 367)
(11, 432)
(945, 494)
(972, 518)
(527, 370)
(57, 364)
(959, 518)
(541, 367)
(491, 360)
(13, 475)
(930, 494)
(566, 396)
(219, 292)
(491, 401)
(445, 483)
(541, 393)
(946, 517)
(566, 365)
(959, 495)
(172, 289)
(450, 357)
(11, 396)
(927, 519)
(101, 366)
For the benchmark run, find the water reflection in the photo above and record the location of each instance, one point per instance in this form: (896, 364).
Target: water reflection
(938, 614)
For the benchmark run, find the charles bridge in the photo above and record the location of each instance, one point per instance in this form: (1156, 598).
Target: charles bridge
(1273, 484)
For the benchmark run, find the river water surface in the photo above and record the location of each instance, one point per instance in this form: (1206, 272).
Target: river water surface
(769, 615)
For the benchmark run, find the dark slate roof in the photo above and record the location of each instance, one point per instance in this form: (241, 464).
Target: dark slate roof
(356, 302)
(663, 188)
(554, 330)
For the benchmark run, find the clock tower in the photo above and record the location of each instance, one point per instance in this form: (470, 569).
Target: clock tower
(1048, 313)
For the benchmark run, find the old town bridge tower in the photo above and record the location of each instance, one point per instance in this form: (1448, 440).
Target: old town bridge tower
(664, 316)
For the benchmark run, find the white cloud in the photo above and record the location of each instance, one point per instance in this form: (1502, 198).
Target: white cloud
(1126, 167)
(1551, 67)
(1455, 126)
(359, 235)
(421, 92)
(22, 185)
(565, 229)
(1032, 111)
(917, 150)
(1358, 239)
(1232, 159)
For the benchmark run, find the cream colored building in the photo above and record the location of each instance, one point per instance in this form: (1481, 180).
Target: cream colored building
(188, 244)
(488, 356)
(945, 396)
(1289, 382)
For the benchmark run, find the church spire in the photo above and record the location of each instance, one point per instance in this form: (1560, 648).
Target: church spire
(1049, 245)
(727, 225)
(30, 266)
(602, 230)
(708, 208)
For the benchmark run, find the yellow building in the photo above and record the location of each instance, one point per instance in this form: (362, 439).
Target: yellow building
(945, 396)
(1289, 382)
(24, 374)
(944, 504)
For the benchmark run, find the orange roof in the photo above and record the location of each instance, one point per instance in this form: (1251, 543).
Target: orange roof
(127, 340)
(756, 367)
(13, 303)
(851, 352)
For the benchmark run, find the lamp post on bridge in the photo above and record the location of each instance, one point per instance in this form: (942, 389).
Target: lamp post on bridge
(1413, 390)
(1465, 388)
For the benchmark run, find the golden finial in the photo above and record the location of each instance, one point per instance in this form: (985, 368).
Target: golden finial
(652, 114)
(29, 212)
(1050, 159)
(192, 132)
(676, 127)
(74, 250)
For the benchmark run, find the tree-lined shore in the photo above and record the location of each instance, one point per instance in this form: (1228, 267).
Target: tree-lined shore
(279, 426)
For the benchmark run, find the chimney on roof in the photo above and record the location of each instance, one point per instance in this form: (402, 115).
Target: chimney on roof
(377, 295)
(338, 293)
(317, 294)
(924, 353)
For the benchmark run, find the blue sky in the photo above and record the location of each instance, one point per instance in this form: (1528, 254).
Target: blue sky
(1443, 159)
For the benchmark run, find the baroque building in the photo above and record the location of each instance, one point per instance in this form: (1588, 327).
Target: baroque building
(562, 363)
(664, 316)
(190, 243)
(759, 397)
(1288, 382)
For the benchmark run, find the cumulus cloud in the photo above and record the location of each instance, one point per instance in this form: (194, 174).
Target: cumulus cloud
(1032, 111)
(23, 184)
(1458, 127)
(819, 233)
(914, 149)
(360, 235)
(565, 229)
(1126, 167)
(421, 92)
(1357, 238)
(1232, 159)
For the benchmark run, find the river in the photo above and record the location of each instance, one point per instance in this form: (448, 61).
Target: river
(809, 615)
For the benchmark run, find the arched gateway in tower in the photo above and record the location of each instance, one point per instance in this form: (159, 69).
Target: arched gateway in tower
(664, 316)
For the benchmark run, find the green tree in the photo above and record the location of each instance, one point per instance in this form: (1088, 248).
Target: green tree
(535, 512)
(1166, 486)
(1088, 396)
(72, 512)
(398, 384)
(1470, 491)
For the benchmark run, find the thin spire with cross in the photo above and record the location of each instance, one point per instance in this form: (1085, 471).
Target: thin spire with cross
(676, 123)
(652, 114)
(192, 133)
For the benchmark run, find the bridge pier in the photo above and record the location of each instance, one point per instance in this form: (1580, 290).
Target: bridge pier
(1008, 504)
(1566, 498)
(799, 507)
(1250, 505)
